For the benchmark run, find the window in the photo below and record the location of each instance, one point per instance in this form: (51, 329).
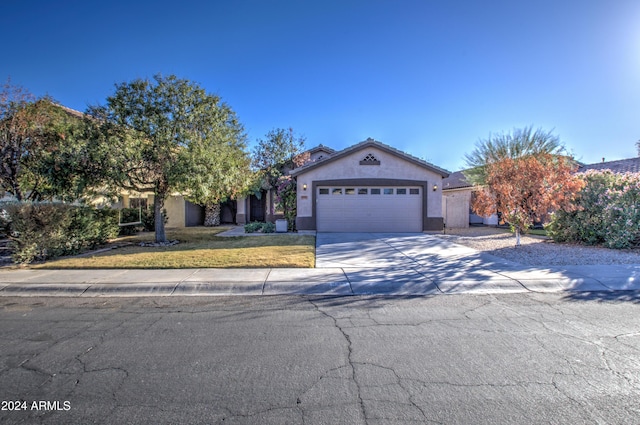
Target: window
(336, 191)
(138, 203)
(401, 191)
(414, 191)
(324, 191)
(388, 191)
(363, 191)
(375, 191)
(349, 191)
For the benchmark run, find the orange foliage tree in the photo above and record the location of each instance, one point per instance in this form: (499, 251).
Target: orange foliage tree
(526, 189)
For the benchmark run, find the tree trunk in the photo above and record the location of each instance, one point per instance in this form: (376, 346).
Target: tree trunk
(517, 235)
(158, 206)
(212, 215)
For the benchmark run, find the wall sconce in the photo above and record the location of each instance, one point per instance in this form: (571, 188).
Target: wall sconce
(304, 186)
(435, 187)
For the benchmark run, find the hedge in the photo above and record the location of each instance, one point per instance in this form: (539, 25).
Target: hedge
(608, 212)
(38, 231)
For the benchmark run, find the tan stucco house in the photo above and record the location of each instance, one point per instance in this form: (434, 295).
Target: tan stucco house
(369, 187)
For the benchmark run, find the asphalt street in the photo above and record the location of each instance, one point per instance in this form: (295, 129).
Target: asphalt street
(524, 358)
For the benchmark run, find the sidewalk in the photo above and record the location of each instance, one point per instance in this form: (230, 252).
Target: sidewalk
(491, 278)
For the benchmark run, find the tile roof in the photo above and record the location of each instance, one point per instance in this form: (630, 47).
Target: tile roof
(629, 165)
(455, 180)
(321, 147)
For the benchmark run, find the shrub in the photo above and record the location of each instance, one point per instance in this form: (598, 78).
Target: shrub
(253, 227)
(46, 230)
(130, 215)
(608, 212)
(268, 227)
(149, 219)
(105, 223)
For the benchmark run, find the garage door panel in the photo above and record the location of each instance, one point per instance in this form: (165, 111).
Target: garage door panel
(368, 213)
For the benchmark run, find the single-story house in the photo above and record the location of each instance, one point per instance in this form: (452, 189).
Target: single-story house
(369, 187)
(457, 193)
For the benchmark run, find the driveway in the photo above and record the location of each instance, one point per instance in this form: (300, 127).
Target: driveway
(418, 264)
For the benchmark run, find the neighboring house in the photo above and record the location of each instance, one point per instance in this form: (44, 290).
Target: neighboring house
(629, 165)
(369, 187)
(457, 193)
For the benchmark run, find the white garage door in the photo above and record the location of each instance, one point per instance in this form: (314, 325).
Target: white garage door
(369, 209)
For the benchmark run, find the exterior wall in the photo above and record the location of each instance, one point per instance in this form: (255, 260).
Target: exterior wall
(455, 208)
(175, 211)
(194, 214)
(241, 212)
(391, 168)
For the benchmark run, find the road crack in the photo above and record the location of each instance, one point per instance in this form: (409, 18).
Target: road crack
(350, 360)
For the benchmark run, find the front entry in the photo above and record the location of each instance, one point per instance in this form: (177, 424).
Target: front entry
(257, 207)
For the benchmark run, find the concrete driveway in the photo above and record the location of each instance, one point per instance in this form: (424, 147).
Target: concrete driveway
(419, 264)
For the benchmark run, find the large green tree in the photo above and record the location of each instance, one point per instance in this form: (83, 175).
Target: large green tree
(43, 149)
(168, 134)
(516, 144)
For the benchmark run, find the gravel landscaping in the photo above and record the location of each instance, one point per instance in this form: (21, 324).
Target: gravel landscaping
(537, 250)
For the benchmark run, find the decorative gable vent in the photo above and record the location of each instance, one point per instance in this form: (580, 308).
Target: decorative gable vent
(370, 159)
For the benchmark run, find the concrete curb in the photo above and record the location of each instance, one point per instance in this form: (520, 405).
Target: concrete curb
(319, 281)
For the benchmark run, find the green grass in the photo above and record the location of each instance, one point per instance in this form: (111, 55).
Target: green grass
(539, 232)
(199, 247)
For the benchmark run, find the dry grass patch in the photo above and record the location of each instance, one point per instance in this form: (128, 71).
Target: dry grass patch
(199, 247)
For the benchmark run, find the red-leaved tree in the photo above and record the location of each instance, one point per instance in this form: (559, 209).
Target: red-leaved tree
(527, 189)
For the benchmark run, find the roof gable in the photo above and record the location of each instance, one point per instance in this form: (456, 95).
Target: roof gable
(368, 144)
(321, 148)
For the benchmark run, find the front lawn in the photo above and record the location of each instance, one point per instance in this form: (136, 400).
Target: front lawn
(199, 247)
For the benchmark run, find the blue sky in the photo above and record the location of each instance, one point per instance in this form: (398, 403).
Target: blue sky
(427, 77)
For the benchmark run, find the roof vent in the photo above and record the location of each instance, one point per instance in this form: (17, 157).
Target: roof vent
(370, 159)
